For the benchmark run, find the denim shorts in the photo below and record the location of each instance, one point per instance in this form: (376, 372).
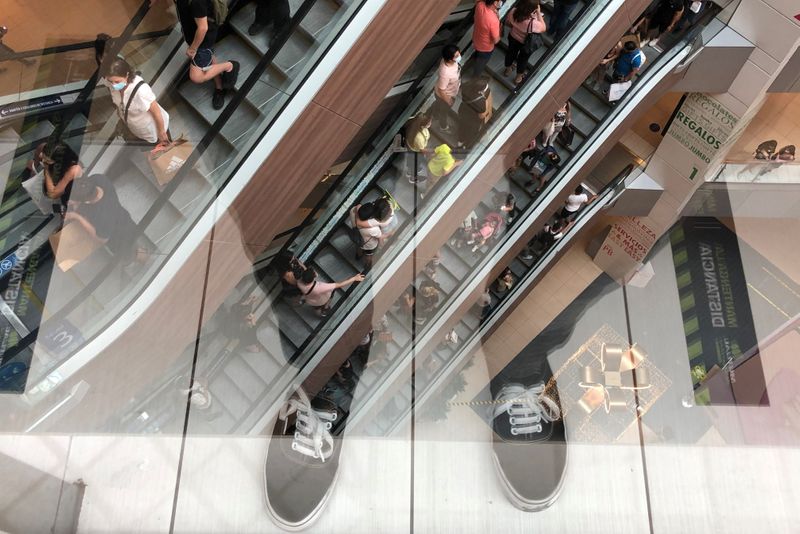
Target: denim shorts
(202, 59)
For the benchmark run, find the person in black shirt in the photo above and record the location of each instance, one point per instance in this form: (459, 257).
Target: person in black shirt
(95, 206)
(199, 28)
(275, 12)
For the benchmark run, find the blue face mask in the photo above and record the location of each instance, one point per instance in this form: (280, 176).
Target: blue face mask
(118, 86)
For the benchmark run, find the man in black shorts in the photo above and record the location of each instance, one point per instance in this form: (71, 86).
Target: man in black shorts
(199, 27)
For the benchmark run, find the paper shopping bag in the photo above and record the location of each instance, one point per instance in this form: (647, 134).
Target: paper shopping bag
(72, 244)
(616, 90)
(166, 160)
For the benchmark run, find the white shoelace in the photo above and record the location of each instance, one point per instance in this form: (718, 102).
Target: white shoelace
(526, 408)
(312, 436)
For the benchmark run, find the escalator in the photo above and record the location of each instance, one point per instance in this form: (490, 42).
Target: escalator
(386, 401)
(332, 254)
(294, 338)
(78, 301)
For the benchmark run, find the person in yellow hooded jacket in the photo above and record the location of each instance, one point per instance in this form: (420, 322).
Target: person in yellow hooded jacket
(441, 164)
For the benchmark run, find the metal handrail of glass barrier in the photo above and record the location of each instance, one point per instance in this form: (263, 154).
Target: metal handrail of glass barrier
(276, 45)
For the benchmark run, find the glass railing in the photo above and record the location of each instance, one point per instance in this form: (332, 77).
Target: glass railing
(306, 339)
(777, 171)
(273, 70)
(446, 359)
(37, 72)
(594, 118)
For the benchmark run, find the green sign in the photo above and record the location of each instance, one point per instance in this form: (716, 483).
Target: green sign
(702, 125)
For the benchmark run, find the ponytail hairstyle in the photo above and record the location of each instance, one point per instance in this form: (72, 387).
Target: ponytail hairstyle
(120, 67)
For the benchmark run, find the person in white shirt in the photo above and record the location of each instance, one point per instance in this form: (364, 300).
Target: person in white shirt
(373, 220)
(146, 120)
(574, 203)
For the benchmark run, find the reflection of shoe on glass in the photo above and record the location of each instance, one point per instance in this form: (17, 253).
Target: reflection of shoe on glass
(256, 28)
(530, 451)
(302, 461)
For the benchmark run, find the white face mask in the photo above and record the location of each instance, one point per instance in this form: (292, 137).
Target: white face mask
(457, 59)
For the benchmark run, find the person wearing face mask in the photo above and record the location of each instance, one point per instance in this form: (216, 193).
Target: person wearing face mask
(475, 110)
(485, 33)
(447, 86)
(144, 121)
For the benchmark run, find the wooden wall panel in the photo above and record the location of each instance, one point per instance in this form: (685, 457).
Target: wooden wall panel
(383, 52)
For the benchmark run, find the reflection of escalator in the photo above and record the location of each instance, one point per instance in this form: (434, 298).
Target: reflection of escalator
(468, 283)
(326, 246)
(84, 297)
(26, 263)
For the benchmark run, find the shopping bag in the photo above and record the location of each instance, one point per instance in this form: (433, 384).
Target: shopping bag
(72, 244)
(34, 186)
(166, 160)
(566, 135)
(616, 90)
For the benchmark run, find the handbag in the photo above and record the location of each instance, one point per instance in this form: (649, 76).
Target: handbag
(567, 134)
(618, 89)
(532, 41)
(167, 159)
(122, 128)
(34, 186)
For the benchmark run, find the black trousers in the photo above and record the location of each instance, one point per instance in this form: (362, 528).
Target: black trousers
(273, 11)
(515, 52)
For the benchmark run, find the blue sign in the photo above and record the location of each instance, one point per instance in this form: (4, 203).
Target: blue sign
(8, 263)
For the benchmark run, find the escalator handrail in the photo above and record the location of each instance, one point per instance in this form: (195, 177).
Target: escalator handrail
(167, 192)
(330, 325)
(400, 230)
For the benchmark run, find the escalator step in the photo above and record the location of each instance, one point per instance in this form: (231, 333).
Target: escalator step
(198, 98)
(243, 376)
(588, 100)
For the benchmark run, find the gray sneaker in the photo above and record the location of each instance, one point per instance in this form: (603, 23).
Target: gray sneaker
(529, 445)
(302, 461)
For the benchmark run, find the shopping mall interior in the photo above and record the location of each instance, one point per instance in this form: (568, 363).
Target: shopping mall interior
(344, 266)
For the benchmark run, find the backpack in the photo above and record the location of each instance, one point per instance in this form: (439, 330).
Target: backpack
(220, 10)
